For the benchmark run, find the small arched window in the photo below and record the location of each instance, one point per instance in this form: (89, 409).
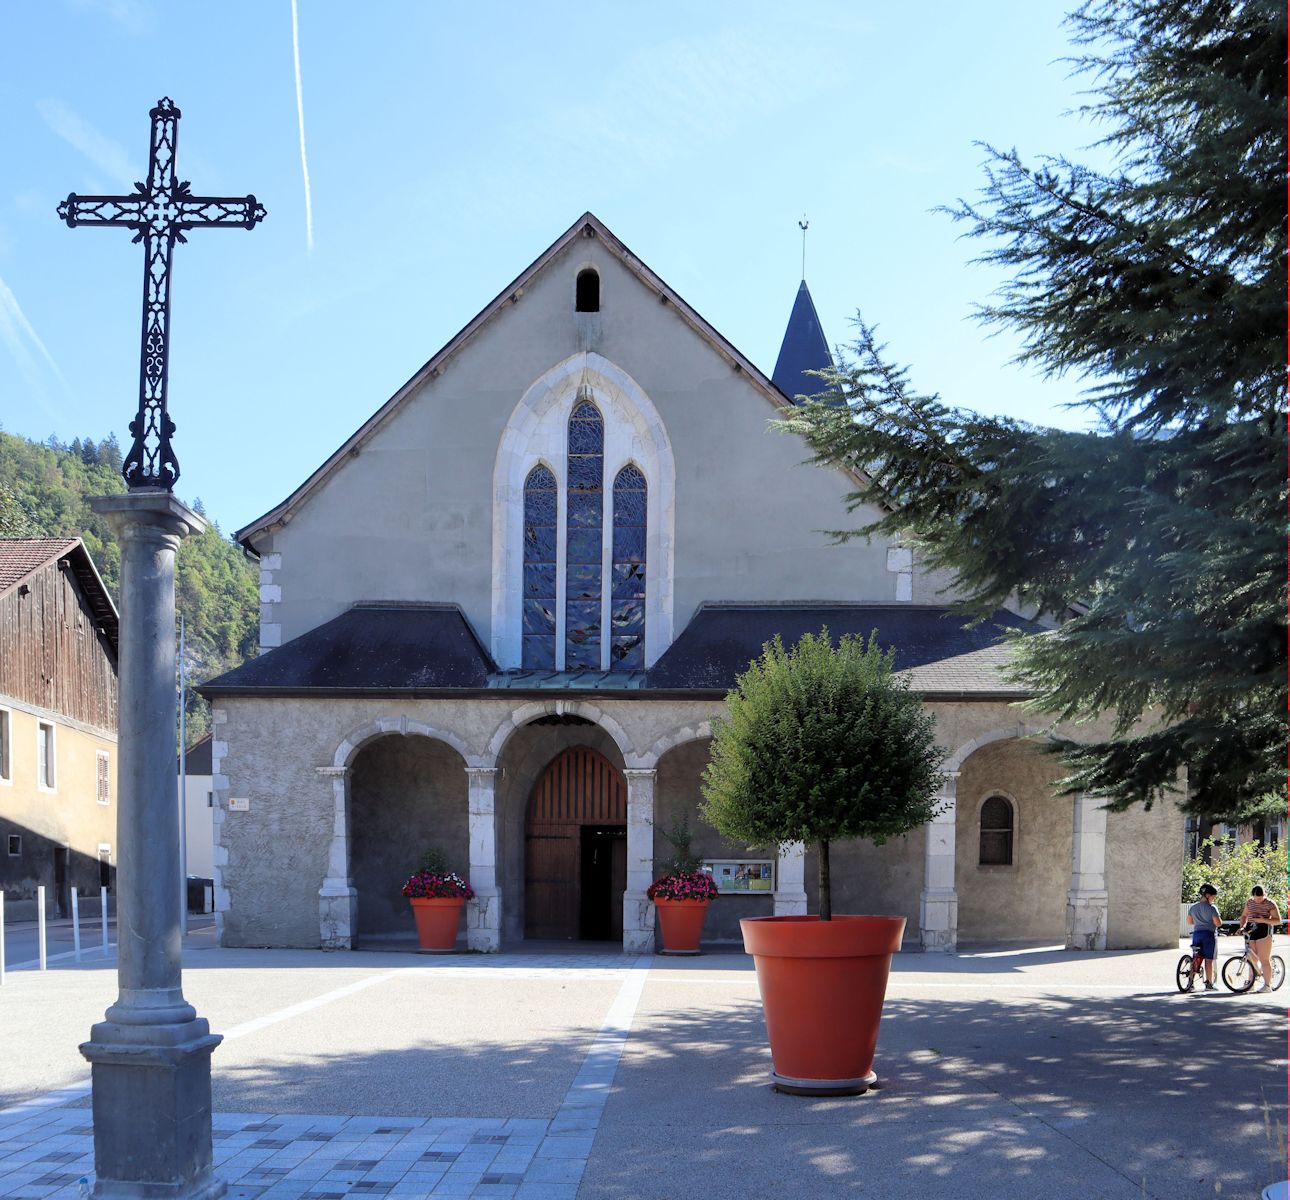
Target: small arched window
(587, 291)
(583, 545)
(997, 825)
(539, 571)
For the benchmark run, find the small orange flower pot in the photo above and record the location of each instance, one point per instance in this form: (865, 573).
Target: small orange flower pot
(438, 920)
(682, 924)
(822, 988)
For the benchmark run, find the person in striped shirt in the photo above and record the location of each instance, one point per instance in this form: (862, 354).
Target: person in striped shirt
(1261, 916)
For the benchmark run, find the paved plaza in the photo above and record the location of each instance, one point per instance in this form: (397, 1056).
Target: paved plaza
(1010, 1072)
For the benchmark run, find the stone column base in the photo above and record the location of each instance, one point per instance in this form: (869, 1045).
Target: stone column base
(789, 904)
(152, 1111)
(484, 922)
(337, 914)
(1086, 920)
(638, 924)
(938, 921)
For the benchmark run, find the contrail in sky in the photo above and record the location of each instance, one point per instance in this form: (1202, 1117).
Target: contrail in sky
(13, 325)
(300, 113)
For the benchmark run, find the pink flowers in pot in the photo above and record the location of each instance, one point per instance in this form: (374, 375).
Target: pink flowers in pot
(683, 885)
(437, 885)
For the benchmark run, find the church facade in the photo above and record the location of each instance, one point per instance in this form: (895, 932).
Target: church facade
(500, 619)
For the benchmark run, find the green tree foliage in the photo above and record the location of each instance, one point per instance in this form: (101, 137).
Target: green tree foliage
(1234, 870)
(1157, 537)
(821, 745)
(45, 491)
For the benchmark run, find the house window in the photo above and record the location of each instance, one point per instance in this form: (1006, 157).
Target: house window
(583, 550)
(15, 845)
(627, 608)
(210, 799)
(996, 832)
(46, 776)
(101, 780)
(6, 734)
(539, 570)
(587, 291)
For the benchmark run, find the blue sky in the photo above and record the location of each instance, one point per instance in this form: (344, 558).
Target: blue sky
(448, 145)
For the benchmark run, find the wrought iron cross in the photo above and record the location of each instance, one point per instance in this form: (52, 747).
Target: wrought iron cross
(159, 212)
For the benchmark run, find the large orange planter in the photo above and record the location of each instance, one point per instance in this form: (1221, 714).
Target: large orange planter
(438, 920)
(822, 987)
(682, 924)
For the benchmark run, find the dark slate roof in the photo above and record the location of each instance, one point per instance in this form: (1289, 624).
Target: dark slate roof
(723, 639)
(198, 759)
(370, 648)
(804, 349)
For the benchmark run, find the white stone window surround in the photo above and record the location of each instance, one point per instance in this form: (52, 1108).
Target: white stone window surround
(46, 756)
(537, 433)
(991, 868)
(6, 746)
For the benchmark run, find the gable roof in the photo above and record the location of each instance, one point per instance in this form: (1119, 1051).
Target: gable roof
(803, 349)
(21, 558)
(590, 226)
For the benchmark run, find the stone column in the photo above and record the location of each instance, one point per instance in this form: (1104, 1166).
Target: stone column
(790, 881)
(1086, 903)
(638, 912)
(150, 1056)
(938, 906)
(484, 912)
(338, 898)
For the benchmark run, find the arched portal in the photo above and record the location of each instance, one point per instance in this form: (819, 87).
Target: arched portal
(575, 849)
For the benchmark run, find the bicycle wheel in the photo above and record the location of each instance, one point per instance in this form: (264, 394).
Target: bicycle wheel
(1185, 976)
(1278, 972)
(1238, 973)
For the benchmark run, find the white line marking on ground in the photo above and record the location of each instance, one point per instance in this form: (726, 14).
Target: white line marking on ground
(296, 1010)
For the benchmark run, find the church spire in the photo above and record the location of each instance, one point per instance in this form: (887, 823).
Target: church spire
(804, 348)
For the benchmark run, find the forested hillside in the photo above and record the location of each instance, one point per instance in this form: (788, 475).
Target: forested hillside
(44, 492)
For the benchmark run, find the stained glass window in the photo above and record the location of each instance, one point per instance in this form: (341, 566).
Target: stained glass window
(539, 571)
(583, 550)
(627, 605)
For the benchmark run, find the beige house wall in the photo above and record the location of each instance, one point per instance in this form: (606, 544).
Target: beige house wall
(68, 816)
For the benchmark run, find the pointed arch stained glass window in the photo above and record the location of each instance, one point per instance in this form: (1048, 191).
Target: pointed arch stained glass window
(539, 571)
(627, 606)
(583, 552)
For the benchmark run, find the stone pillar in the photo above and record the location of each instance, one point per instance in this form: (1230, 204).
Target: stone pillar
(638, 912)
(484, 912)
(150, 1056)
(938, 906)
(1086, 903)
(338, 898)
(790, 881)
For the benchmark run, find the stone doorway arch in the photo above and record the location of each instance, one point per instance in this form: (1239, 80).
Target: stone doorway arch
(575, 849)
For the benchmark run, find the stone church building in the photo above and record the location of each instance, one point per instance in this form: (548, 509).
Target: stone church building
(501, 617)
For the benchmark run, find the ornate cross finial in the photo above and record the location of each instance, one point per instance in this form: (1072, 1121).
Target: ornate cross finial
(803, 225)
(159, 211)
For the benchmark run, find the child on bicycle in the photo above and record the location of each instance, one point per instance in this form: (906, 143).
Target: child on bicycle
(1205, 920)
(1261, 916)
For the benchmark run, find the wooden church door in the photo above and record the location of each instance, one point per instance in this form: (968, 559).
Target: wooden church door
(575, 849)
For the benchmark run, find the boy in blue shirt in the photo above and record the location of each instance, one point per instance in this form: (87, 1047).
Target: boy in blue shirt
(1205, 920)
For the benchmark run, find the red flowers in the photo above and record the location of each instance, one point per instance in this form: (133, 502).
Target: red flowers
(437, 885)
(683, 885)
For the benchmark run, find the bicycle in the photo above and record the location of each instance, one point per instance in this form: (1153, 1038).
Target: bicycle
(1241, 970)
(1190, 968)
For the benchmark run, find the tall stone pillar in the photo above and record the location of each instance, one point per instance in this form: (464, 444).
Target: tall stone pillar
(150, 1055)
(938, 906)
(338, 898)
(790, 881)
(484, 912)
(1087, 901)
(638, 912)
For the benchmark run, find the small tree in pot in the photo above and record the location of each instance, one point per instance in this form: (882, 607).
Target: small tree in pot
(821, 745)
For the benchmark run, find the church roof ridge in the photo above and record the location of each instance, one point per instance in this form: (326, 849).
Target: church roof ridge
(587, 225)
